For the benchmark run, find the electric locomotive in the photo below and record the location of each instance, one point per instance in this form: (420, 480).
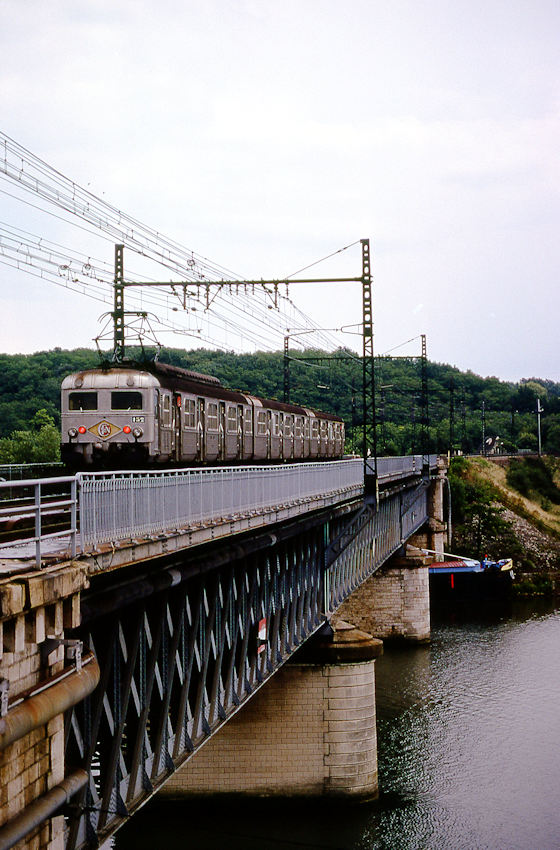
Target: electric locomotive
(133, 415)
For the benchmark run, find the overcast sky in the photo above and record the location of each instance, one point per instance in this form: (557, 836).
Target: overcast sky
(267, 135)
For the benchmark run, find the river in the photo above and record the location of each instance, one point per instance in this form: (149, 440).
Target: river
(469, 754)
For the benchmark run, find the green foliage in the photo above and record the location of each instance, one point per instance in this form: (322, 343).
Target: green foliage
(532, 475)
(479, 528)
(551, 433)
(528, 441)
(537, 585)
(327, 382)
(39, 444)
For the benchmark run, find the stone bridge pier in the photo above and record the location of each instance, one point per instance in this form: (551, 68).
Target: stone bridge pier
(394, 603)
(43, 675)
(309, 732)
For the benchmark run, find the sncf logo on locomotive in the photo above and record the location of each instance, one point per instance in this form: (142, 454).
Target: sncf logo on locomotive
(104, 429)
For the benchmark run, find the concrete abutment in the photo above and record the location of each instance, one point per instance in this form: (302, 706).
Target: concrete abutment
(38, 684)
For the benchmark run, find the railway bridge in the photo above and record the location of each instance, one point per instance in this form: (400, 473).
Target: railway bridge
(143, 615)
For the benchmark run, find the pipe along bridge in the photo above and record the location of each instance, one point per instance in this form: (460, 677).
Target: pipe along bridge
(141, 612)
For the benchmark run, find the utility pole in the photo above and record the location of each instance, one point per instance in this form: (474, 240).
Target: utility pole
(451, 416)
(484, 428)
(118, 305)
(286, 370)
(424, 416)
(539, 411)
(463, 421)
(353, 438)
(371, 484)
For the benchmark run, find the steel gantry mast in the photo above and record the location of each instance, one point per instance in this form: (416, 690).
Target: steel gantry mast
(368, 381)
(191, 287)
(425, 414)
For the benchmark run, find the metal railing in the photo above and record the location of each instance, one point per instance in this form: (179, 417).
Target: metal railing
(89, 509)
(29, 508)
(28, 471)
(120, 505)
(390, 468)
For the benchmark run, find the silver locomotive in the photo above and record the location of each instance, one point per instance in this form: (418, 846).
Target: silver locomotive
(133, 415)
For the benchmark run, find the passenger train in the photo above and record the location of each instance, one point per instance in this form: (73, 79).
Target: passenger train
(134, 415)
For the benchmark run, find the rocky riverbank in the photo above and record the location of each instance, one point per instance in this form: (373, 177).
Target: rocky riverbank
(532, 534)
(540, 548)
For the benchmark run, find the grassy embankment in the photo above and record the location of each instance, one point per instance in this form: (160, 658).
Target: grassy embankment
(511, 506)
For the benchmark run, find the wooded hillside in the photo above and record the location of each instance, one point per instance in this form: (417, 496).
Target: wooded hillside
(29, 383)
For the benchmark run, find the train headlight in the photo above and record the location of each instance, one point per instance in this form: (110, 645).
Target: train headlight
(72, 433)
(82, 429)
(137, 433)
(126, 429)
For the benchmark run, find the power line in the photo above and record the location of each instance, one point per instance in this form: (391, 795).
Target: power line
(245, 313)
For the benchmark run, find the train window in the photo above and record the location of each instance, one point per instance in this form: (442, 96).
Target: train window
(189, 413)
(306, 428)
(231, 419)
(287, 425)
(275, 424)
(323, 429)
(314, 428)
(212, 416)
(298, 426)
(330, 430)
(248, 421)
(261, 423)
(82, 401)
(166, 411)
(126, 400)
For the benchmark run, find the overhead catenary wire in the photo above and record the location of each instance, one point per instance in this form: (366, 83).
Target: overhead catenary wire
(43, 259)
(244, 314)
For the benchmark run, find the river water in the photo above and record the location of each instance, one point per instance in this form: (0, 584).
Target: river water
(469, 754)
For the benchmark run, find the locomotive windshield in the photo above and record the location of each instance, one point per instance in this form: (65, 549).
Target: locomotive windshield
(82, 401)
(126, 400)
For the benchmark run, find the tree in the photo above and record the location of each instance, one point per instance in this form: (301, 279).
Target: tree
(480, 528)
(40, 444)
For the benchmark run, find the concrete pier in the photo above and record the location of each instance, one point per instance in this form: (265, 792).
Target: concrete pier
(394, 604)
(309, 732)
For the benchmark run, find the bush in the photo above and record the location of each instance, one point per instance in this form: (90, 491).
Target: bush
(532, 475)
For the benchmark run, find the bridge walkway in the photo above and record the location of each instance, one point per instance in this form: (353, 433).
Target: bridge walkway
(115, 518)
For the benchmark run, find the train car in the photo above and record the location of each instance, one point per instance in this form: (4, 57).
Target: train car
(136, 415)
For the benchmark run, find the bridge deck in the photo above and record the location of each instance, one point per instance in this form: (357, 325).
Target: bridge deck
(116, 518)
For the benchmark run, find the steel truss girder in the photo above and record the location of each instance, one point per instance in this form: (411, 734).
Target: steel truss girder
(181, 654)
(177, 664)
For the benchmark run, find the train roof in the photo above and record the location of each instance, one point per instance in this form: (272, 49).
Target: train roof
(178, 372)
(176, 378)
(274, 404)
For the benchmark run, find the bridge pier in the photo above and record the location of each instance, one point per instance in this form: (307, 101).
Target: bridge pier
(394, 603)
(37, 684)
(309, 732)
(432, 534)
